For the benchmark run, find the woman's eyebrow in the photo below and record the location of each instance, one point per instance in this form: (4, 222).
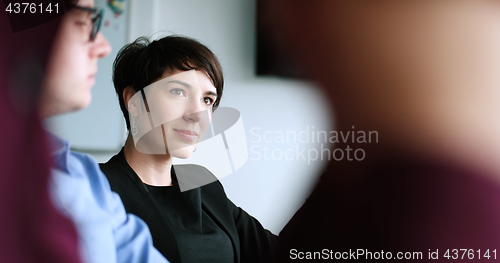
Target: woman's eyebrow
(185, 84)
(211, 93)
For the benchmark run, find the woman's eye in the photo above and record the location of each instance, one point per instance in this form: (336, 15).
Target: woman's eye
(208, 101)
(177, 92)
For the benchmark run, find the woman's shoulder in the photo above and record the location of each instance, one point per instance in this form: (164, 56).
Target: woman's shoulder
(110, 169)
(114, 166)
(121, 177)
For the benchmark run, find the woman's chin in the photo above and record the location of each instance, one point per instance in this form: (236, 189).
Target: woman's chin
(182, 153)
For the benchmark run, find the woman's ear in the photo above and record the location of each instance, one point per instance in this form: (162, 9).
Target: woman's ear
(130, 103)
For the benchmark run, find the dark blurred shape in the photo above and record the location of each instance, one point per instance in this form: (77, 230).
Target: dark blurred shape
(271, 59)
(403, 205)
(31, 228)
(424, 75)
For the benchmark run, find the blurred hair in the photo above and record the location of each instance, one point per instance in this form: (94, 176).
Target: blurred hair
(143, 62)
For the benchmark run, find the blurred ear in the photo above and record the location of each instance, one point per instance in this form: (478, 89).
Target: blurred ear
(130, 103)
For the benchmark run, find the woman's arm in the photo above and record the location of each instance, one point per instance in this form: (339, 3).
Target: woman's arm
(257, 243)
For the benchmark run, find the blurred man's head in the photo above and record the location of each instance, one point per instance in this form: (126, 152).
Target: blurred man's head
(73, 62)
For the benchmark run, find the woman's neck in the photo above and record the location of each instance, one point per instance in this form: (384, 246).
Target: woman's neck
(152, 169)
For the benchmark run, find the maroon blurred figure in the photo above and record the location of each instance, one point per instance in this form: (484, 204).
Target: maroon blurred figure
(31, 230)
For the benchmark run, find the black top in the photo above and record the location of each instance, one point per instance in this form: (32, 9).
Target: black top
(198, 236)
(174, 235)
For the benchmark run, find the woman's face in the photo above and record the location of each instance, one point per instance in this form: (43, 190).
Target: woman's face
(175, 113)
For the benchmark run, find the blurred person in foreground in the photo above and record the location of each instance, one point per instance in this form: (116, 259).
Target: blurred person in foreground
(78, 187)
(426, 76)
(32, 230)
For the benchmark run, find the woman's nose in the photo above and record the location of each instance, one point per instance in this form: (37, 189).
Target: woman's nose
(195, 112)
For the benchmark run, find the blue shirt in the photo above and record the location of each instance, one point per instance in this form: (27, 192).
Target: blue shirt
(107, 233)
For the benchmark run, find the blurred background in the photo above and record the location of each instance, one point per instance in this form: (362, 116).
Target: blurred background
(280, 115)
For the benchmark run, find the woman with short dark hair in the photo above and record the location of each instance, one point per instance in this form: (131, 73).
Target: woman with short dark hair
(168, 89)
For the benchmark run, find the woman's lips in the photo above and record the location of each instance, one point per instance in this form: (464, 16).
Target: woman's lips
(187, 134)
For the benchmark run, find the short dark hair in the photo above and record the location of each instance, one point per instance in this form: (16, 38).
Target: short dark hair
(143, 62)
